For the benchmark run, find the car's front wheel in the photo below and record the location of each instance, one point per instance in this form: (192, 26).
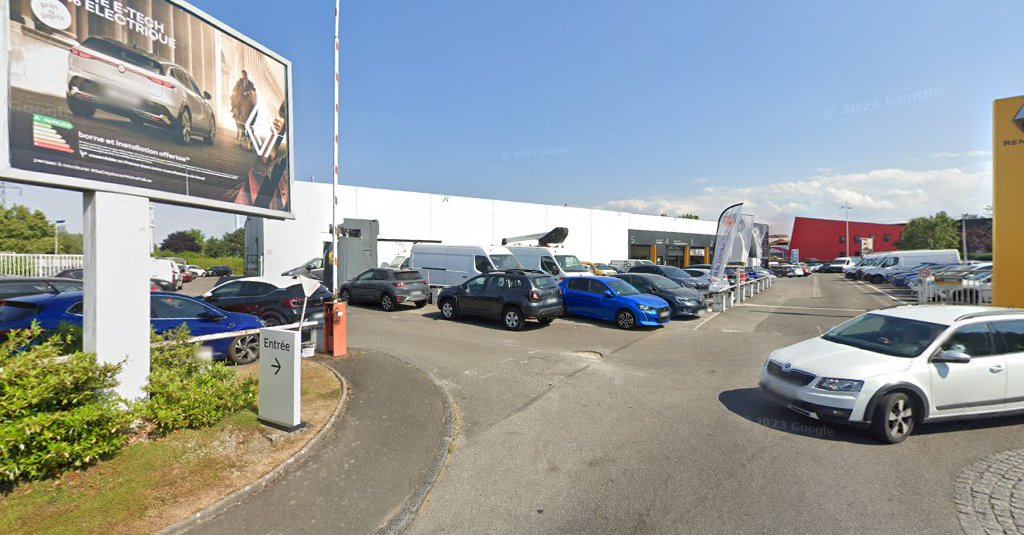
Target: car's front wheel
(448, 310)
(213, 132)
(245, 349)
(625, 319)
(273, 320)
(185, 128)
(894, 418)
(877, 279)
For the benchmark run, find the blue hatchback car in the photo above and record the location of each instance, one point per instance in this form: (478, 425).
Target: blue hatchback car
(610, 299)
(167, 312)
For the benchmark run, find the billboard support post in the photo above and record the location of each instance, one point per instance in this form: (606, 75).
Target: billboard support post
(116, 291)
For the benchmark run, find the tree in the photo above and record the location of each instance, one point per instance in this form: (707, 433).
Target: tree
(25, 231)
(231, 244)
(936, 232)
(182, 241)
(688, 216)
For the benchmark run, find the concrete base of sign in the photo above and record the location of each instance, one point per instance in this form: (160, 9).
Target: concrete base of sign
(116, 290)
(279, 427)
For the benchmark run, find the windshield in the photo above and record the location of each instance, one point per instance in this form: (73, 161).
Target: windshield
(662, 283)
(505, 261)
(621, 287)
(678, 273)
(899, 337)
(544, 282)
(570, 264)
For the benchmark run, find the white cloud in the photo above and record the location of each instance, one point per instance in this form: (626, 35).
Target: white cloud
(701, 180)
(883, 195)
(968, 154)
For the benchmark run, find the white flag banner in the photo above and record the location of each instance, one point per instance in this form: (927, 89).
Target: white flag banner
(744, 237)
(724, 238)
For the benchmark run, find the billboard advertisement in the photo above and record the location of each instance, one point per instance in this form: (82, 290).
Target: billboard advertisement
(146, 97)
(1007, 192)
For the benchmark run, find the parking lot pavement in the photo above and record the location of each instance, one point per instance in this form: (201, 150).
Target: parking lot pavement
(581, 427)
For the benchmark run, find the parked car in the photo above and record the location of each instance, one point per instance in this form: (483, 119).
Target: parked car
(554, 262)
(219, 271)
(678, 275)
(314, 269)
(275, 300)
(167, 311)
(104, 74)
(611, 299)
(387, 287)
(21, 286)
(186, 275)
(513, 296)
(623, 265)
(196, 270)
(890, 370)
(449, 265)
(683, 301)
(167, 270)
(837, 265)
(598, 268)
(155, 285)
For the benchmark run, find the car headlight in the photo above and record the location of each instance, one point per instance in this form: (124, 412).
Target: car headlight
(839, 385)
(646, 308)
(689, 302)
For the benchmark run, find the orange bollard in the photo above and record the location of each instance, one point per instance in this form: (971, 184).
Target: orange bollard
(336, 328)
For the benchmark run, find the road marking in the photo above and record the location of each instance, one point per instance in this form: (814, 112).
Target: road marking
(707, 319)
(815, 289)
(805, 308)
(883, 292)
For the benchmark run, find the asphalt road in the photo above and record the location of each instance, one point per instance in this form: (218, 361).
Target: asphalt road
(580, 427)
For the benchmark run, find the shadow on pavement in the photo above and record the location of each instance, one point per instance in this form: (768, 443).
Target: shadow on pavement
(753, 405)
(477, 321)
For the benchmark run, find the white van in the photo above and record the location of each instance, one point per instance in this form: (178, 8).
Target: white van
(838, 265)
(555, 262)
(448, 265)
(167, 270)
(903, 260)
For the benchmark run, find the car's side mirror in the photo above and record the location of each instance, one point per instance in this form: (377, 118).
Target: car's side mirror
(206, 95)
(608, 293)
(210, 316)
(952, 355)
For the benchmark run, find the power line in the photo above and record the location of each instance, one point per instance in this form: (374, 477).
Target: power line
(4, 187)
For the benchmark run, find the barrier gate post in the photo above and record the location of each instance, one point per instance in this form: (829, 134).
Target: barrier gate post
(336, 328)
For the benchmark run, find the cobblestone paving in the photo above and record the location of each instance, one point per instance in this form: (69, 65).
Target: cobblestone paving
(990, 494)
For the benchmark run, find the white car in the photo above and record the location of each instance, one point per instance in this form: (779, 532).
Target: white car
(892, 369)
(196, 270)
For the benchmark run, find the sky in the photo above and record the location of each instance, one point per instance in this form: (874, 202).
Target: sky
(796, 107)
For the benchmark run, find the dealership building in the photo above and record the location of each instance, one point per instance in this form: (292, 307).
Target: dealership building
(825, 239)
(401, 218)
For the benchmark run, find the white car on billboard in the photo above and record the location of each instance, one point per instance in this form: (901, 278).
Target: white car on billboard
(104, 74)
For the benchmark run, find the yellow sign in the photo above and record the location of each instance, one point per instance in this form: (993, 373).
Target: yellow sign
(1008, 198)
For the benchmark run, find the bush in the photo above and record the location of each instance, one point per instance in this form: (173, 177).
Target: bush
(187, 392)
(54, 415)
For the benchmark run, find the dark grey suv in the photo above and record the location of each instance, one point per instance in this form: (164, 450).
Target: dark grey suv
(513, 296)
(389, 287)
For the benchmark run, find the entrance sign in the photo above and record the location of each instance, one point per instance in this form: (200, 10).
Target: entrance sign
(151, 98)
(280, 379)
(724, 238)
(1007, 194)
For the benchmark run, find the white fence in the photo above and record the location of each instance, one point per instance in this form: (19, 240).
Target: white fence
(966, 293)
(38, 265)
(733, 295)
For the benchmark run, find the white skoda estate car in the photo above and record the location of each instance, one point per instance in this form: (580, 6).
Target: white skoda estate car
(891, 369)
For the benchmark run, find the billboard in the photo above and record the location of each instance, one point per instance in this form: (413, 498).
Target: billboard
(1007, 192)
(146, 97)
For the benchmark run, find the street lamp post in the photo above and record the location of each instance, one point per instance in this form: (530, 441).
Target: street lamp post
(846, 240)
(56, 226)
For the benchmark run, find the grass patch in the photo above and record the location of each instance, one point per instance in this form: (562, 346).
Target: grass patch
(150, 485)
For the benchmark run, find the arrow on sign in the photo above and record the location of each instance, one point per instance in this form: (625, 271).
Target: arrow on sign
(276, 365)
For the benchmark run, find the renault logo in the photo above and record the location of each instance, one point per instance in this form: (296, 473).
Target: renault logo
(786, 366)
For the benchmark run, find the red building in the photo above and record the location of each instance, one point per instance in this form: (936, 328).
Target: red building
(825, 239)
